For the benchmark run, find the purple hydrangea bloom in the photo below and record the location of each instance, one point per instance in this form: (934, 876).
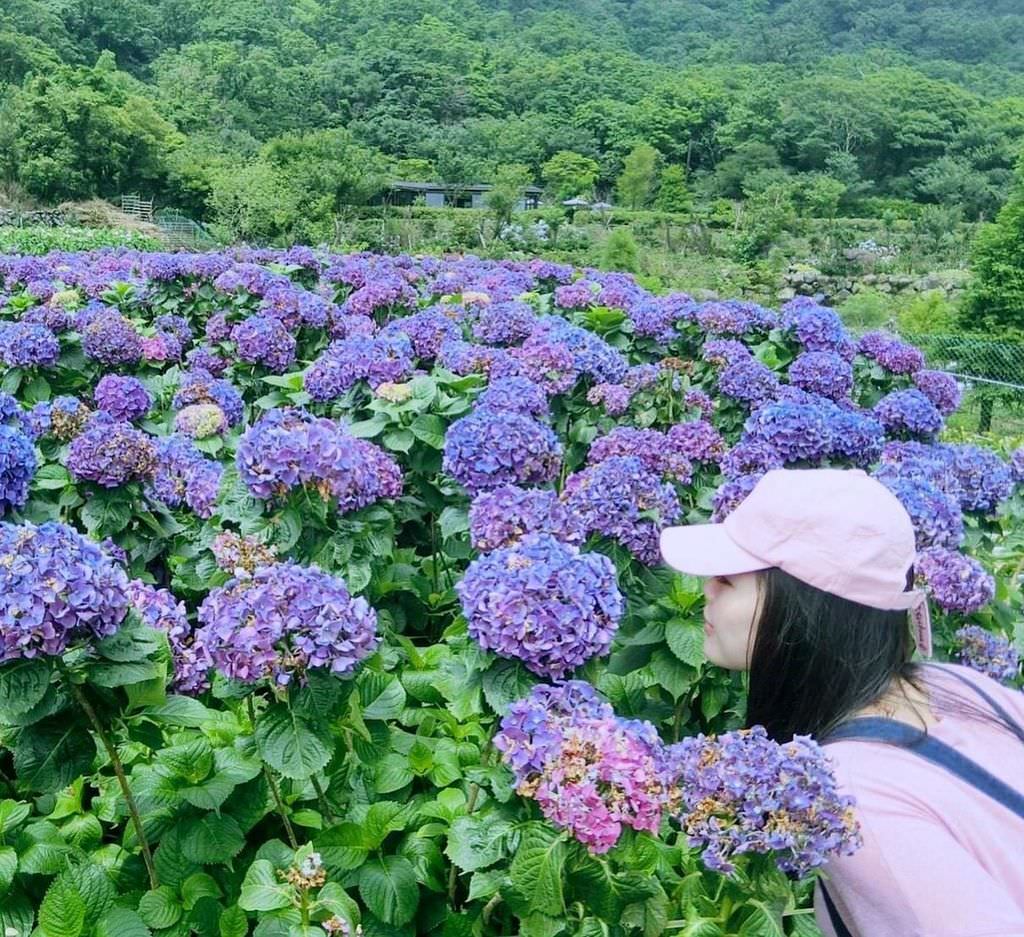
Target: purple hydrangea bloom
(184, 476)
(984, 479)
(204, 358)
(264, 340)
(958, 583)
(892, 354)
(124, 398)
(750, 456)
(731, 494)
(160, 610)
(427, 331)
(798, 432)
(734, 317)
(590, 772)
(614, 398)
(57, 587)
(744, 793)
(748, 380)
(203, 387)
(492, 447)
(111, 454)
(937, 518)
(543, 602)
(615, 497)
(816, 327)
(549, 365)
(578, 295)
(17, 468)
(701, 401)
(697, 440)
(658, 453)
(504, 515)
(908, 411)
(378, 360)
(516, 394)
(592, 355)
(856, 436)
(822, 372)
(1017, 465)
(287, 448)
(724, 351)
(27, 345)
(111, 339)
(218, 329)
(283, 621)
(55, 318)
(988, 653)
(505, 323)
(941, 389)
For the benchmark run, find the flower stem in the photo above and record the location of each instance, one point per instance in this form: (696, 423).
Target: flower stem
(129, 798)
(272, 783)
(325, 807)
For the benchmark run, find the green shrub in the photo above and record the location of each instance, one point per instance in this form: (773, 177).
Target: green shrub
(41, 240)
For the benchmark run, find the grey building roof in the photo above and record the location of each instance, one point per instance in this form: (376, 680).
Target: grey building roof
(446, 186)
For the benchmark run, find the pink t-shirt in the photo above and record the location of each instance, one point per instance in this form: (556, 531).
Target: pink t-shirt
(940, 858)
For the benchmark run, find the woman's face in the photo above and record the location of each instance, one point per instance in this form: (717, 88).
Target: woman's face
(730, 610)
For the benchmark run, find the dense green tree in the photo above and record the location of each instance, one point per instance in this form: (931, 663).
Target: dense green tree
(639, 173)
(673, 193)
(569, 174)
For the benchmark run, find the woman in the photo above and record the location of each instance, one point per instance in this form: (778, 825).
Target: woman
(809, 584)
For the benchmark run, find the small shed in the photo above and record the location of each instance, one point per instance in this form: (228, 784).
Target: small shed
(441, 194)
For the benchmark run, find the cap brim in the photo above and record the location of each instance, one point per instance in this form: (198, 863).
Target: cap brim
(706, 550)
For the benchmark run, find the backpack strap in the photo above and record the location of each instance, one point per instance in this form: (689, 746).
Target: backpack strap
(903, 735)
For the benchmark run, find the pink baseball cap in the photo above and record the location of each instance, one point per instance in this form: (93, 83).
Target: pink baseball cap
(837, 529)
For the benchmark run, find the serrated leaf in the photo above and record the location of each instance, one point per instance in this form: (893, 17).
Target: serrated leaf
(131, 642)
(475, 842)
(49, 755)
(23, 684)
(429, 428)
(198, 886)
(233, 922)
(160, 908)
(17, 912)
(179, 711)
(211, 838)
(122, 922)
(8, 868)
(116, 674)
(763, 921)
(95, 888)
(686, 639)
(388, 887)
(538, 869)
(392, 773)
(504, 682)
(381, 695)
(62, 912)
(290, 744)
(262, 890)
(453, 520)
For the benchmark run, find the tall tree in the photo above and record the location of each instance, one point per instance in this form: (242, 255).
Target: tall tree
(637, 180)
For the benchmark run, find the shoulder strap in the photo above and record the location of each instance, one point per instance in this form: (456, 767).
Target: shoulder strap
(892, 732)
(997, 707)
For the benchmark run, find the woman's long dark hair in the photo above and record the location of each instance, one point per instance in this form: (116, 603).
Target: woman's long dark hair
(818, 658)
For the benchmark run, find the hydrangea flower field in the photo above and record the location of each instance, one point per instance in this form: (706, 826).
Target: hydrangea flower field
(331, 602)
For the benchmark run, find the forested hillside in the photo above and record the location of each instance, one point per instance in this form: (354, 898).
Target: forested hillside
(312, 103)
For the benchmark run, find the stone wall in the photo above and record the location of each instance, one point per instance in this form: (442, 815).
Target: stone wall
(47, 218)
(801, 280)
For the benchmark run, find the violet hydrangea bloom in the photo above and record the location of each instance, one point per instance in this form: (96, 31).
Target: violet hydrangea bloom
(160, 610)
(504, 515)
(941, 389)
(111, 454)
(489, 447)
(908, 411)
(543, 602)
(1017, 466)
(57, 587)
(184, 476)
(288, 448)
(111, 339)
(614, 398)
(892, 354)
(28, 345)
(283, 621)
(749, 381)
(750, 456)
(697, 440)
(17, 468)
(730, 495)
(516, 394)
(264, 340)
(124, 398)
(744, 793)
(936, 516)
(988, 653)
(550, 365)
(590, 772)
(614, 498)
(958, 583)
(816, 327)
(822, 372)
(505, 323)
(660, 455)
(798, 432)
(203, 387)
(427, 331)
(983, 478)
